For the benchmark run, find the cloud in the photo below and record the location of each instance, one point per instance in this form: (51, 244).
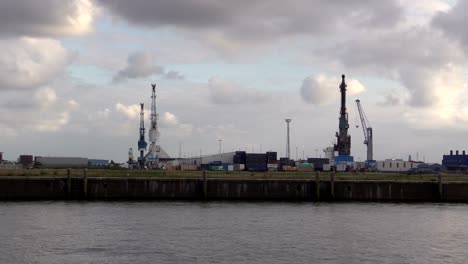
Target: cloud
(228, 26)
(46, 18)
(130, 111)
(228, 92)
(73, 104)
(323, 90)
(52, 123)
(139, 65)
(174, 75)
(453, 23)
(29, 62)
(258, 18)
(391, 98)
(46, 97)
(169, 119)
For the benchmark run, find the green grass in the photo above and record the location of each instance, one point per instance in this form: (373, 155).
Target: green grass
(233, 175)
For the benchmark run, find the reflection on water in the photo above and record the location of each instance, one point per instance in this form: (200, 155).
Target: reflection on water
(181, 232)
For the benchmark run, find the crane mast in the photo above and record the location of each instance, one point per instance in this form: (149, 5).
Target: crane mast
(141, 142)
(367, 129)
(152, 158)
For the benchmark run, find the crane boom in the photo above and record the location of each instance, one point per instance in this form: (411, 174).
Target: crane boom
(367, 129)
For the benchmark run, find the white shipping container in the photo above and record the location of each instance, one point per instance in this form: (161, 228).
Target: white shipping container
(341, 167)
(239, 167)
(230, 167)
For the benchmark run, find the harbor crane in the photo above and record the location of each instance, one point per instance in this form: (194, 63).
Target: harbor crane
(368, 136)
(152, 158)
(141, 142)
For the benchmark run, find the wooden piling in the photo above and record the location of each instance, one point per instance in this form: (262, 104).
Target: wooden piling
(439, 180)
(332, 185)
(85, 183)
(317, 186)
(69, 182)
(205, 185)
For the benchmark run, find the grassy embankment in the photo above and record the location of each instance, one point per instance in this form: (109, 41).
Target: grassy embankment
(233, 175)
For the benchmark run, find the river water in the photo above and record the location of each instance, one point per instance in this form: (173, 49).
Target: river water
(228, 232)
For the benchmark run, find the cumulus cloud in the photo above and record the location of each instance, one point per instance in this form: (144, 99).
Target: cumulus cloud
(73, 104)
(429, 66)
(174, 75)
(46, 97)
(391, 98)
(49, 18)
(228, 92)
(169, 119)
(257, 19)
(323, 90)
(130, 111)
(143, 64)
(139, 65)
(453, 23)
(29, 62)
(52, 123)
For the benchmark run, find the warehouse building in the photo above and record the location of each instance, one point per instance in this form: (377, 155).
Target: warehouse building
(455, 161)
(60, 162)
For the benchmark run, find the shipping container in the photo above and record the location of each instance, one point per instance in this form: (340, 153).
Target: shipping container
(303, 169)
(271, 156)
(239, 167)
(216, 168)
(188, 167)
(222, 158)
(26, 160)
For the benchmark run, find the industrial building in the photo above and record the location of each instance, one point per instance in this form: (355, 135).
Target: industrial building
(238, 160)
(26, 161)
(60, 162)
(396, 165)
(455, 161)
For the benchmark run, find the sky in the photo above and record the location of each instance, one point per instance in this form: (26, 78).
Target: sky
(72, 75)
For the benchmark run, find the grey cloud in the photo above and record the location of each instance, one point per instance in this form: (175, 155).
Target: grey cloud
(417, 57)
(258, 19)
(45, 18)
(319, 90)
(228, 92)
(141, 65)
(29, 63)
(138, 65)
(174, 75)
(453, 22)
(391, 98)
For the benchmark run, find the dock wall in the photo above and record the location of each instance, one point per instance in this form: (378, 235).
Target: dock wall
(61, 188)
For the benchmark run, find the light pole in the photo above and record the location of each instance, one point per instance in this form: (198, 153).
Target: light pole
(288, 149)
